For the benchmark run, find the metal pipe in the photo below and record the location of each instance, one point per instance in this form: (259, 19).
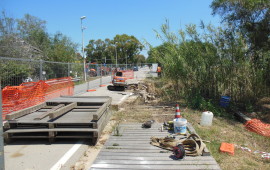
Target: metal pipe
(2, 158)
(40, 70)
(84, 70)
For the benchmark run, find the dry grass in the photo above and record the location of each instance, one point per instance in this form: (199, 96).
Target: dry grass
(231, 131)
(222, 130)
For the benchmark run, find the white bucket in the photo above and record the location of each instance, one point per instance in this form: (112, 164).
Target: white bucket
(180, 125)
(206, 119)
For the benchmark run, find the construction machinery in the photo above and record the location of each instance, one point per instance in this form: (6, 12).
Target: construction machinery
(92, 72)
(118, 81)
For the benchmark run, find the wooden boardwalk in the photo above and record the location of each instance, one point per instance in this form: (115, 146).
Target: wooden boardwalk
(132, 150)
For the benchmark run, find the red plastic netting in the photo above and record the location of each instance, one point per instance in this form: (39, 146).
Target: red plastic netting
(32, 93)
(258, 126)
(128, 74)
(59, 87)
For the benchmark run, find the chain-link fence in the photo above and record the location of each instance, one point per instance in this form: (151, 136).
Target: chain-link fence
(14, 71)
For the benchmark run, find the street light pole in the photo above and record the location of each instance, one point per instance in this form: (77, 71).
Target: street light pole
(126, 61)
(82, 28)
(116, 54)
(2, 159)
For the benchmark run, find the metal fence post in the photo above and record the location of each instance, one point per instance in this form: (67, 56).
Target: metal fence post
(40, 69)
(68, 69)
(100, 75)
(2, 158)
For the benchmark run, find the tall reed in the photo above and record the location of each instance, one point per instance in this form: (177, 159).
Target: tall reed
(210, 63)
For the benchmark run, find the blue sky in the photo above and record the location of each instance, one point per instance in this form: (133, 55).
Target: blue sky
(106, 18)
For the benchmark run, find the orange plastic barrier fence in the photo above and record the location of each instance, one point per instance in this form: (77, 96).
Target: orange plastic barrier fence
(129, 74)
(32, 93)
(58, 87)
(259, 127)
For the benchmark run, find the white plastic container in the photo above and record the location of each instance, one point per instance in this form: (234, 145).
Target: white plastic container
(207, 118)
(180, 125)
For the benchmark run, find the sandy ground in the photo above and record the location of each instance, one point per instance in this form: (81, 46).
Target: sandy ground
(91, 153)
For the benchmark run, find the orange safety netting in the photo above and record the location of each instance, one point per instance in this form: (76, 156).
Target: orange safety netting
(129, 74)
(59, 87)
(32, 93)
(259, 127)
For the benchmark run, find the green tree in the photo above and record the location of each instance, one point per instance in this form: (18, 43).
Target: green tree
(96, 50)
(33, 30)
(250, 17)
(127, 48)
(139, 59)
(124, 46)
(27, 38)
(62, 49)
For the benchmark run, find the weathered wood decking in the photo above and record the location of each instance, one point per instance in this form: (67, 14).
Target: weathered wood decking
(132, 150)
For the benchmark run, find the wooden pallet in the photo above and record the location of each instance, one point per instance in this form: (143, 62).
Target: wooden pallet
(132, 150)
(65, 117)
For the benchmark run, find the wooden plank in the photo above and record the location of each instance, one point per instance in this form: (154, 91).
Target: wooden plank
(105, 121)
(121, 166)
(77, 107)
(87, 107)
(74, 137)
(145, 133)
(128, 145)
(133, 154)
(142, 151)
(23, 112)
(76, 117)
(121, 147)
(92, 100)
(243, 118)
(62, 110)
(140, 136)
(29, 137)
(101, 126)
(100, 120)
(116, 138)
(152, 158)
(160, 162)
(51, 130)
(154, 126)
(128, 142)
(134, 151)
(49, 112)
(47, 136)
(100, 111)
(84, 110)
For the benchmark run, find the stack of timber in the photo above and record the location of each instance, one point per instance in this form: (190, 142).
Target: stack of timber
(64, 117)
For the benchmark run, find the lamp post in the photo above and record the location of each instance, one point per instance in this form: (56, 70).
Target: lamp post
(2, 158)
(83, 28)
(126, 61)
(115, 53)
